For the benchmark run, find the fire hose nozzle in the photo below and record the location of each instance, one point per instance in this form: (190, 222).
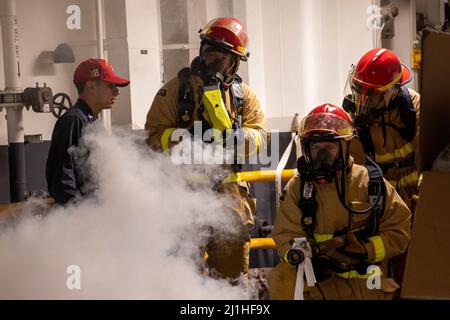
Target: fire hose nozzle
(295, 257)
(301, 250)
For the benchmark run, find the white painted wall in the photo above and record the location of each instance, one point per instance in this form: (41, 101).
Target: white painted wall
(143, 34)
(252, 72)
(132, 26)
(42, 26)
(301, 51)
(218, 8)
(433, 10)
(116, 47)
(405, 34)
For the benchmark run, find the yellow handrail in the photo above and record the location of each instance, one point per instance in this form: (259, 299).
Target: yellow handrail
(262, 243)
(255, 244)
(260, 176)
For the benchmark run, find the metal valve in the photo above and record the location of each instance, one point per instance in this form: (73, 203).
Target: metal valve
(61, 103)
(40, 99)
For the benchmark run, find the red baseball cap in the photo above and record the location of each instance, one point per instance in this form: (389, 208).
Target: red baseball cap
(98, 69)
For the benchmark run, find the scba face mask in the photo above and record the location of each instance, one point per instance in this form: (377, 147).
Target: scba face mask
(369, 104)
(216, 65)
(324, 160)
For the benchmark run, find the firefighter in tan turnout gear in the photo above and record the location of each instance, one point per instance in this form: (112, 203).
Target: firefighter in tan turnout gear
(210, 91)
(386, 116)
(352, 218)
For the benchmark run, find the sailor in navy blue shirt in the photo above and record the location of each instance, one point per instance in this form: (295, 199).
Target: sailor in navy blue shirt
(97, 86)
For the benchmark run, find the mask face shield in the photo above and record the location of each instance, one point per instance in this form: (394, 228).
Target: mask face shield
(324, 155)
(321, 135)
(369, 102)
(326, 123)
(216, 64)
(363, 100)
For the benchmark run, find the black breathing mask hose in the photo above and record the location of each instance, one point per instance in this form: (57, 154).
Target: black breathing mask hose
(341, 192)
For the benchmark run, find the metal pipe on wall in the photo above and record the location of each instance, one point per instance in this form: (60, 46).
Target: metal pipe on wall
(106, 114)
(10, 37)
(99, 22)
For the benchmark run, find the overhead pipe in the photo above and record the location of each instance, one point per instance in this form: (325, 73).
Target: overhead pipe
(14, 115)
(106, 114)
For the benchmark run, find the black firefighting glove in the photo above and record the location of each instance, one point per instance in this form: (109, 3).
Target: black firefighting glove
(354, 247)
(333, 249)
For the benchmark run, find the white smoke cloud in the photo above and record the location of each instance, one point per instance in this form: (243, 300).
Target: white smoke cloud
(138, 238)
